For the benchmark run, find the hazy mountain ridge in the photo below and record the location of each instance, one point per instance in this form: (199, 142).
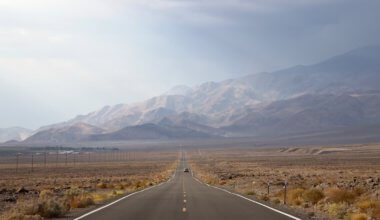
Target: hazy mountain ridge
(72, 133)
(150, 131)
(14, 133)
(338, 93)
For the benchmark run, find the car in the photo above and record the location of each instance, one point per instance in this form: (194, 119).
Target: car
(186, 170)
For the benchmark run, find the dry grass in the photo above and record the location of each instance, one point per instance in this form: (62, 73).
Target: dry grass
(337, 195)
(55, 191)
(313, 195)
(358, 216)
(327, 182)
(295, 196)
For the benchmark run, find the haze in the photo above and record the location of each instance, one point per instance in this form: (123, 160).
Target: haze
(62, 58)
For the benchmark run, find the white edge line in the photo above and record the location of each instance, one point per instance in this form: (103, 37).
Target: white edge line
(258, 203)
(105, 206)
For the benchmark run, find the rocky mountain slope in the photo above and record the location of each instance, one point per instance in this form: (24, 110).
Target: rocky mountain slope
(338, 93)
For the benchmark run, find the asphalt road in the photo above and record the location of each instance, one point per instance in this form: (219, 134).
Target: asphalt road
(184, 197)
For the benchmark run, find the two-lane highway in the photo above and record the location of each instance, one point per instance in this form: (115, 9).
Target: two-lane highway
(184, 197)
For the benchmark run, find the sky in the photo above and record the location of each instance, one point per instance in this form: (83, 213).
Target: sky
(61, 58)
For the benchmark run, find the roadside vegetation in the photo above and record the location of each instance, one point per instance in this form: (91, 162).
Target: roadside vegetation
(340, 184)
(58, 191)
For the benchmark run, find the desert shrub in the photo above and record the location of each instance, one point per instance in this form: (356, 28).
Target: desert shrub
(337, 195)
(337, 210)
(364, 205)
(276, 201)
(47, 208)
(101, 185)
(120, 187)
(313, 195)
(117, 192)
(139, 184)
(51, 208)
(250, 193)
(222, 182)
(358, 191)
(376, 210)
(19, 216)
(76, 198)
(264, 197)
(357, 216)
(295, 196)
(98, 197)
(46, 194)
(26, 207)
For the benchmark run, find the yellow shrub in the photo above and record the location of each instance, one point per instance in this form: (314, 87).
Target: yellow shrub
(337, 195)
(364, 205)
(358, 216)
(77, 198)
(376, 210)
(19, 216)
(250, 193)
(101, 185)
(295, 196)
(313, 195)
(337, 210)
(46, 194)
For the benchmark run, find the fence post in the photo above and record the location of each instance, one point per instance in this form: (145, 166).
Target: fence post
(66, 159)
(45, 159)
(285, 191)
(268, 185)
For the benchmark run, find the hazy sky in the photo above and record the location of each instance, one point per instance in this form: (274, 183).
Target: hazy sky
(60, 58)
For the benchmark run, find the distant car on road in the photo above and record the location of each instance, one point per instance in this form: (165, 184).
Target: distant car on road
(186, 170)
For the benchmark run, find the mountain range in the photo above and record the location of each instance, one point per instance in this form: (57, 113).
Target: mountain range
(340, 93)
(14, 134)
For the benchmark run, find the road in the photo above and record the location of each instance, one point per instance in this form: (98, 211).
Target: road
(184, 197)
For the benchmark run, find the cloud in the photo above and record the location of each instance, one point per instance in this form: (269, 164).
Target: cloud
(70, 57)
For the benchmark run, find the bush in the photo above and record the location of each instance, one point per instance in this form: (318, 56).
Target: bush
(295, 196)
(376, 210)
(19, 216)
(364, 205)
(358, 216)
(76, 198)
(276, 201)
(337, 210)
(264, 197)
(48, 208)
(250, 193)
(27, 208)
(313, 195)
(46, 194)
(101, 185)
(51, 208)
(340, 195)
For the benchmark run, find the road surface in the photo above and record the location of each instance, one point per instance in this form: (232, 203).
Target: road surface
(184, 197)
